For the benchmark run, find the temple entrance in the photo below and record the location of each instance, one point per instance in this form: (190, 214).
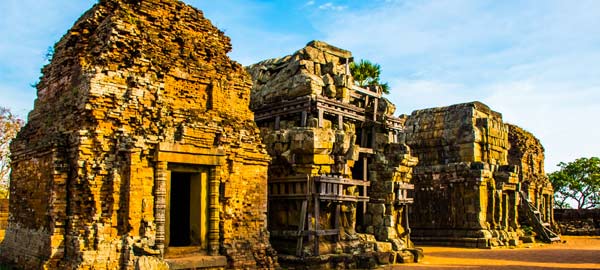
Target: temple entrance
(187, 218)
(180, 209)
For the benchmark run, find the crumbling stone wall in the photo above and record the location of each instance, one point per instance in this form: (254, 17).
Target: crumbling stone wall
(136, 90)
(527, 152)
(469, 132)
(337, 163)
(390, 175)
(465, 192)
(578, 221)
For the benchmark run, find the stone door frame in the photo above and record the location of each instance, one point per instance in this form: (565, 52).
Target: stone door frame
(187, 155)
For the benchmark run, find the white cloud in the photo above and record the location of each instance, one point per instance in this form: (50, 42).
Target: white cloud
(536, 63)
(332, 6)
(561, 116)
(309, 3)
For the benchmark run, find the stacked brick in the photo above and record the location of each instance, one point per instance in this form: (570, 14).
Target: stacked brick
(469, 132)
(390, 195)
(465, 191)
(131, 81)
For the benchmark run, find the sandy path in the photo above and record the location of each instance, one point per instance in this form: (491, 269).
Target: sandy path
(576, 253)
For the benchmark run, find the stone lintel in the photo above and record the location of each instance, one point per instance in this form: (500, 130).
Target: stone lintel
(507, 186)
(188, 154)
(330, 49)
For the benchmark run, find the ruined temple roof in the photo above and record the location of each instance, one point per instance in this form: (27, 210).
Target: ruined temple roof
(527, 152)
(317, 44)
(144, 42)
(158, 34)
(476, 105)
(318, 69)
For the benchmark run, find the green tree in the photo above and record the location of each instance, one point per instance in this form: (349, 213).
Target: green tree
(366, 73)
(577, 181)
(9, 127)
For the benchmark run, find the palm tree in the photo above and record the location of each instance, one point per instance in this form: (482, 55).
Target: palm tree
(366, 73)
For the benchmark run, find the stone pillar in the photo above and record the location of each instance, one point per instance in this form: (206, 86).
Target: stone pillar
(213, 209)
(160, 204)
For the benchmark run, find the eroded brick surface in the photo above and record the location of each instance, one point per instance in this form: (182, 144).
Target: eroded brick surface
(478, 179)
(133, 89)
(527, 153)
(465, 191)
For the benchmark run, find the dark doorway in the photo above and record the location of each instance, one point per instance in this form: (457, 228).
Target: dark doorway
(358, 170)
(187, 219)
(180, 209)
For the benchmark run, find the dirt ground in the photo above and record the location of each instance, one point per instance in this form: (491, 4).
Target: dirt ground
(575, 253)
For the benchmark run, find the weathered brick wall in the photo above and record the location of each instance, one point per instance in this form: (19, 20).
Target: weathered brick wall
(468, 132)
(578, 221)
(386, 215)
(465, 192)
(129, 76)
(527, 152)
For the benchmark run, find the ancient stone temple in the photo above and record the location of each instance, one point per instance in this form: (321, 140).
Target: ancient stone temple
(141, 151)
(537, 193)
(467, 192)
(340, 173)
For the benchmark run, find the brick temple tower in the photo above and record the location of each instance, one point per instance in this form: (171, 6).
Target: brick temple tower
(140, 147)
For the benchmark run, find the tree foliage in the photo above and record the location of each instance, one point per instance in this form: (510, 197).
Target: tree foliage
(9, 126)
(577, 181)
(366, 73)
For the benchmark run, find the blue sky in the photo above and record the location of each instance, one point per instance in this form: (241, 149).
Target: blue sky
(536, 62)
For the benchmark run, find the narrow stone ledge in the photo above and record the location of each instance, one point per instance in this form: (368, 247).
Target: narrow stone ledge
(197, 262)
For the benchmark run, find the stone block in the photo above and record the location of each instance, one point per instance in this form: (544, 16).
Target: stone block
(385, 257)
(383, 246)
(151, 263)
(376, 208)
(377, 220)
(387, 233)
(404, 257)
(398, 244)
(388, 220)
